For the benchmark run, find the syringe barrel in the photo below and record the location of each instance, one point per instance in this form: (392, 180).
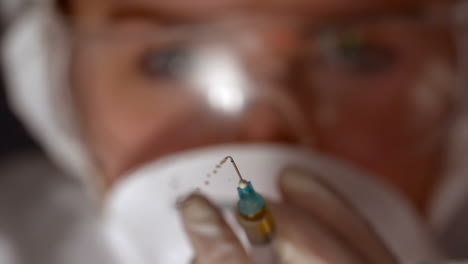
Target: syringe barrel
(259, 227)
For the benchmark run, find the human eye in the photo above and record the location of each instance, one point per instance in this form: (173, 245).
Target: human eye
(355, 51)
(168, 63)
(357, 61)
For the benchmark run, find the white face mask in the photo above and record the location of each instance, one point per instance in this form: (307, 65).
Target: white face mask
(142, 222)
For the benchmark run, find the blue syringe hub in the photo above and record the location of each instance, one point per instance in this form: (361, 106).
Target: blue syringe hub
(250, 202)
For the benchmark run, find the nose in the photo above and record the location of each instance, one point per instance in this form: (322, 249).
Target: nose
(247, 81)
(263, 124)
(275, 117)
(269, 51)
(275, 114)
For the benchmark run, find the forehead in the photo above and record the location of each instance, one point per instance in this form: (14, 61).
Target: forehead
(204, 8)
(258, 5)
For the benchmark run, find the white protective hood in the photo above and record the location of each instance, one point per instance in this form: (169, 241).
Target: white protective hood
(35, 57)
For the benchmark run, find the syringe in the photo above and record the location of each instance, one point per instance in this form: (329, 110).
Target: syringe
(256, 220)
(254, 215)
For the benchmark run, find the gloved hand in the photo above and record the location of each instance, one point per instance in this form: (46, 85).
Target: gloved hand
(315, 224)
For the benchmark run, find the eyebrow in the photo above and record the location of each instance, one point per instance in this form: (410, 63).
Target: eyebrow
(152, 15)
(191, 12)
(164, 13)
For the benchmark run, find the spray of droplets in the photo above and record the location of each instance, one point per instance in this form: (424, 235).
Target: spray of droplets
(216, 169)
(208, 177)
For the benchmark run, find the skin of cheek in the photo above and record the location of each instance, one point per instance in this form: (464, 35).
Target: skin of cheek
(427, 101)
(380, 117)
(358, 126)
(119, 114)
(398, 129)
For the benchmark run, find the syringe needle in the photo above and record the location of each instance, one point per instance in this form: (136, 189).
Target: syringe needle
(241, 179)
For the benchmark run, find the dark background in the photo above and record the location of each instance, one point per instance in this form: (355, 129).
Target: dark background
(13, 137)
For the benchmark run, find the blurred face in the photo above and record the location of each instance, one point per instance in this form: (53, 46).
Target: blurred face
(374, 92)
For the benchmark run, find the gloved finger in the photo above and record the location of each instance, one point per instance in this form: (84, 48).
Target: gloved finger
(302, 239)
(308, 192)
(212, 239)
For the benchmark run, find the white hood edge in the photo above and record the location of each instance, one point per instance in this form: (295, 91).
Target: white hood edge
(35, 54)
